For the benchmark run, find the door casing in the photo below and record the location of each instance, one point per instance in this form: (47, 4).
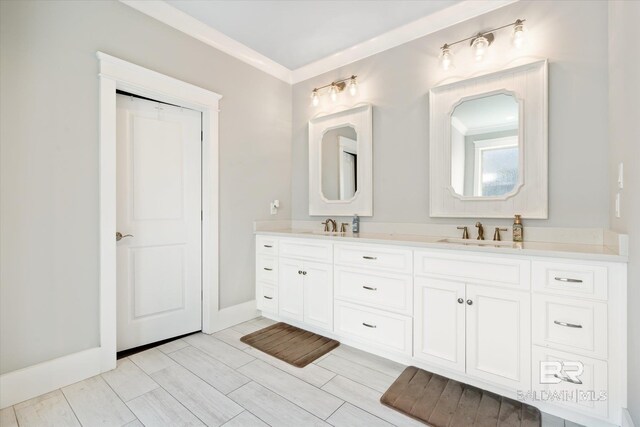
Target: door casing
(116, 74)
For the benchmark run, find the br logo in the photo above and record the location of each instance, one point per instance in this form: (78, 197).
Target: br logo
(555, 372)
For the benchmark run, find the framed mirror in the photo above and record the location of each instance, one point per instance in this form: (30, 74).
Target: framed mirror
(488, 145)
(340, 163)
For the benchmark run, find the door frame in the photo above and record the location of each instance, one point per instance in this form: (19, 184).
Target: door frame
(116, 74)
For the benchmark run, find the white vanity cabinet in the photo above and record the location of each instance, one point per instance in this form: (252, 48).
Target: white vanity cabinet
(306, 285)
(374, 296)
(495, 319)
(471, 322)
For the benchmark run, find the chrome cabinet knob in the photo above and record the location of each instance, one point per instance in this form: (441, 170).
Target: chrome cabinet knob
(120, 236)
(460, 300)
(469, 302)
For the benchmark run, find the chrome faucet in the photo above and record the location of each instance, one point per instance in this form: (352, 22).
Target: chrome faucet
(334, 225)
(480, 230)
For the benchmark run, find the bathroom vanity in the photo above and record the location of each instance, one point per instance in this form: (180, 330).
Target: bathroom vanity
(484, 313)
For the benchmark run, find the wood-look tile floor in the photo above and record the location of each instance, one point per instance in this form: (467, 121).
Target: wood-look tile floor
(216, 380)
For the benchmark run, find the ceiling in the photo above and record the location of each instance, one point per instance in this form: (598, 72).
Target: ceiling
(487, 114)
(296, 33)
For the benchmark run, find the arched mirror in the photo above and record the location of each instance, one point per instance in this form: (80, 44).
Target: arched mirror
(340, 163)
(488, 145)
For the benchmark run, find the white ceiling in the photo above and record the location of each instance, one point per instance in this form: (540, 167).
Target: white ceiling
(488, 114)
(296, 33)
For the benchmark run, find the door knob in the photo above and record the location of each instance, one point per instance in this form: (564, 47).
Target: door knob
(120, 236)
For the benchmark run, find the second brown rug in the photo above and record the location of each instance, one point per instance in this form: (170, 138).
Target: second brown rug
(441, 402)
(290, 344)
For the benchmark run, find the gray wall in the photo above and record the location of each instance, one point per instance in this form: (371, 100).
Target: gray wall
(624, 137)
(397, 82)
(49, 162)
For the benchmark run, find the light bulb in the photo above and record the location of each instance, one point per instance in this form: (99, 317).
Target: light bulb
(480, 45)
(314, 98)
(446, 58)
(518, 34)
(353, 86)
(333, 92)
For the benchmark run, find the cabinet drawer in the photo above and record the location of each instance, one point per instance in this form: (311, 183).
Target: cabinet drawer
(571, 325)
(572, 279)
(514, 273)
(267, 269)
(267, 245)
(267, 297)
(553, 371)
(378, 257)
(387, 291)
(387, 331)
(312, 250)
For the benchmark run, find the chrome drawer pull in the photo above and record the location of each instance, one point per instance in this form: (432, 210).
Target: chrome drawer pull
(568, 325)
(567, 380)
(368, 325)
(369, 257)
(567, 280)
(268, 269)
(369, 288)
(268, 297)
(268, 246)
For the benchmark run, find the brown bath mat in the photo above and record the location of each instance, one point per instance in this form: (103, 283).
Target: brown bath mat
(441, 402)
(290, 344)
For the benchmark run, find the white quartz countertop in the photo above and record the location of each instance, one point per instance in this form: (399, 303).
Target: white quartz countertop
(542, 249)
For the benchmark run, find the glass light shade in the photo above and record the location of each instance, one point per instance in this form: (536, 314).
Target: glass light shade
(518, 37)
(314, 98)
(353, 87)
(333, 93)
(480, 45)
(446, 58)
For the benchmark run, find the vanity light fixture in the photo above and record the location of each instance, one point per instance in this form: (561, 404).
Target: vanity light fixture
(480, 43)
(334, 89)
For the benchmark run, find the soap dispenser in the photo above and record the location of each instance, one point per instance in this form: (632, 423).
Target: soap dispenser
(518, 232)
(355, 224)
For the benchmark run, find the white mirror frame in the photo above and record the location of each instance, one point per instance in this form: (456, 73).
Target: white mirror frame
(360, 118)
(528, 83)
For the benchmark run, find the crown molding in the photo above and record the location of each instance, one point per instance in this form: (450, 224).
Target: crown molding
(181, 21)
(429, 24)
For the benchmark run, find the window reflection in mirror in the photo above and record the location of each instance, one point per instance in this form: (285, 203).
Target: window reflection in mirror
(485, 151)
(339, 163)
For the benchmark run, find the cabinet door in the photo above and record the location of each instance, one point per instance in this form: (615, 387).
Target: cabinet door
(439, 322)
(290, 293)
(318, 295)
(499, 336)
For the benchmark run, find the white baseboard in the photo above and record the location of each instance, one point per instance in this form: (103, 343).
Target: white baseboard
(233, 315)
(627, 421)
(27, 383)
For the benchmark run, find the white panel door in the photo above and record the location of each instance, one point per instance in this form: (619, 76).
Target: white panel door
(318, 294)
(290, 293)
(158, 203)
(499, 336)
(439, 322)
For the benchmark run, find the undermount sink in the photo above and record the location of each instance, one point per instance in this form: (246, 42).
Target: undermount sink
(485, 243)
(324, 233)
